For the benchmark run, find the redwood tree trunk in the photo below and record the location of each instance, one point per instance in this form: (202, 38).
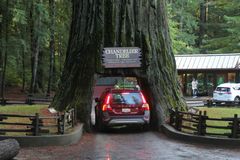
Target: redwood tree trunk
(108, 23)
(202, 23)
(52, 46)
(35, 46)
(4, 56)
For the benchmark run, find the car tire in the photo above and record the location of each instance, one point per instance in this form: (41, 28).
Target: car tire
(237, 100)
(99, 125)
(145, 127)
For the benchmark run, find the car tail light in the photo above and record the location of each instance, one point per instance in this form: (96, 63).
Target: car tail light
(107, 100)
(145, 106)
(143, 98)
(228, 92)
(106, 105)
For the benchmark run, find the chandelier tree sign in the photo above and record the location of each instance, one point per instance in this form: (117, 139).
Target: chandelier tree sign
(121, 57)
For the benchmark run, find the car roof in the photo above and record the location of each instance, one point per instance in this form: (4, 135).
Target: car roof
(124, 90)
(229, 85)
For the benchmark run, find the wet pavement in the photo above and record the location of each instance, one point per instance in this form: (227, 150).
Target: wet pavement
(129, 144)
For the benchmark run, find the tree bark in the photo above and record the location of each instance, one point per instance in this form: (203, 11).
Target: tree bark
(140, 23)
(23, 70)
(52, 46)
(5, 55)
(60, 55)
(23, 51)
(9, 148)
(202, 22)
(39, 86)
(1, 50)
(35, 47)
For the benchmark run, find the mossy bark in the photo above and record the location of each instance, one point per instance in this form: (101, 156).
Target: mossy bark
(119, 23)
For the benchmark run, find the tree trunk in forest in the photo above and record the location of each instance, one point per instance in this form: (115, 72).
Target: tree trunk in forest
(35, 48)
(4, 73)
(52, 46)
(23, 48)
(35, 56)
(9, 148)
(60, 55)
(32, 38)
(1, 51)
(202, 23)
(23, 70)
(109, 23)
(181, 17)
(5, 54)
(39, 87)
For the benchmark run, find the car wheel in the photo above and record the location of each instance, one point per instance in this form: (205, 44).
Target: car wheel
(236, 100)
(100, 126)
(145, 127)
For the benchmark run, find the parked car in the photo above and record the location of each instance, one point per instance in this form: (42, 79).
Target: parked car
(121, 107)
(227, 92)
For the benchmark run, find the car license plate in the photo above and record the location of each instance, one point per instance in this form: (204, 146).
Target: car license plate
(126, 110)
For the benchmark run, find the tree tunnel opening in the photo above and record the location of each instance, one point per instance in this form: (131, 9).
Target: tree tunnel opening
(129, 81)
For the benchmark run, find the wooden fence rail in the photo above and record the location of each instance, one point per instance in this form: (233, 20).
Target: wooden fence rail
(197, 123)
(37, 125)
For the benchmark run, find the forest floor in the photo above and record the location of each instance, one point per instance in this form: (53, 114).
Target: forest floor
(15, 93)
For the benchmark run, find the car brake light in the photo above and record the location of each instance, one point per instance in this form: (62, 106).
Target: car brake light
(145, 107)
(106, 106)
(107, 100)
(143, 98)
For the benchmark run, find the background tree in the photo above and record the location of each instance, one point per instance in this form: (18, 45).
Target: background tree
(28, 23)
(183, 24)
(223, 27)
(202, 21)
(4, 54)
(52, 46)
(98, 24)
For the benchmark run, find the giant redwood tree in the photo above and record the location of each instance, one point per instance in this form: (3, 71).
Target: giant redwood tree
(119, 23)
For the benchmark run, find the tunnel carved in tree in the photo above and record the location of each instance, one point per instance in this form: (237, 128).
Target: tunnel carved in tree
(108, 23)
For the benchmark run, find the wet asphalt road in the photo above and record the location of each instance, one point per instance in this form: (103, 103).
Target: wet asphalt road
(129, 144)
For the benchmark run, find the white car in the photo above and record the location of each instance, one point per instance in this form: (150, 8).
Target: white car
(227, 92)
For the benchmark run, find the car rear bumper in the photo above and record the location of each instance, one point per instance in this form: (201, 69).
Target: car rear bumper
(127, 120)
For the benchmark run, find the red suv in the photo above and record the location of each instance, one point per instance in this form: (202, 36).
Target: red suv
(121, 107)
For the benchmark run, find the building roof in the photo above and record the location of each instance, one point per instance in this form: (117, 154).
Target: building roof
(208, 61)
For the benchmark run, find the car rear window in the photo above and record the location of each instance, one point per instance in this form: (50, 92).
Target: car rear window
(126, 98)
(223, 89)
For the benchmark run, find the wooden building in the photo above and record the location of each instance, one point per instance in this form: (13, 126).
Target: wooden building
(209, 69)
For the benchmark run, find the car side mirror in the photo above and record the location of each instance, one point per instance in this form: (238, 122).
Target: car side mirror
(97, 100)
